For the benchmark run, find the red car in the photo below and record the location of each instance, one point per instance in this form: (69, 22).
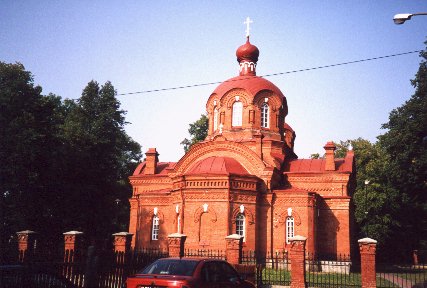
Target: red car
(188, 273)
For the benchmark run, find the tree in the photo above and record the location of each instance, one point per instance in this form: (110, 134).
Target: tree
(99, 158)
(198, 131)
(376, 200)
(405, 142)
(29, 134)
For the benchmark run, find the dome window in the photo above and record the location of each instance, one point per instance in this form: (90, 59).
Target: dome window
(215, 119)
(237, 114)
(265, 115)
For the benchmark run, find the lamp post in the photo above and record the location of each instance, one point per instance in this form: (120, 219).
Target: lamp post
(366, 206)
(117, 201)
(401, 18)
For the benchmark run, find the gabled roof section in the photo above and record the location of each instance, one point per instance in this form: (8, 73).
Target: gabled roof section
(217, 165)
(318, 165)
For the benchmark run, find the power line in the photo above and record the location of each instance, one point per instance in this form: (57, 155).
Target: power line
(273, 74)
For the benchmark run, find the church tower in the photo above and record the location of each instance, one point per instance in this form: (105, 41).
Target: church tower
(251, 110)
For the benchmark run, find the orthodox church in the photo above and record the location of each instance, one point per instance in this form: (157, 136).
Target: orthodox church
(245, 179)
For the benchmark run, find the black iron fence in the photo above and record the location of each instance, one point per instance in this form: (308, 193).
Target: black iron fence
(272, 268)
(91, 268)
(332, 271)
(401, 275)
(216, 254)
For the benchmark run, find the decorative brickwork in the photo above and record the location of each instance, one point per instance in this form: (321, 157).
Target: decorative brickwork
(27, 243)
(122, 242)
(176, 243)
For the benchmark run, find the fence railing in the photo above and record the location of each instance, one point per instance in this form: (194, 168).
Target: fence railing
(215, 254)
(332, 271)
(401, 275)
(107, 269)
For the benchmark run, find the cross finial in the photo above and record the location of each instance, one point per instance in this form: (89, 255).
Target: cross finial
(248, 22)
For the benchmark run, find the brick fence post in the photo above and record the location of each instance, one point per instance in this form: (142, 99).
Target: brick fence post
(176, 244)
(72, 251)
(122, 242)
(233, 248)
(367, 248)
(26, 245)
(297, 257)
(72, 245)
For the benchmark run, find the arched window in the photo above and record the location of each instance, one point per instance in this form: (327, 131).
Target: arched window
(215, 119)
(289, 228)
(237, 114)
(265, 116)
(240, 224)
(155, 229)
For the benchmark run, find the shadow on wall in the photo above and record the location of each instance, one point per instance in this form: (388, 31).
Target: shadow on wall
(327, 230)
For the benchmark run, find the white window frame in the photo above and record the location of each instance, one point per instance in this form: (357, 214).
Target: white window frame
(241, 225)
(155, 228)
(290, 229)
(237, 114)
(215, 119)
(265, 116)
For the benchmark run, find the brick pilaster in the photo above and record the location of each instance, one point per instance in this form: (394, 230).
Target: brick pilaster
(367, 248)
(122, 241)
(233, 252)
(26, 245)
(297, 257)
(176, 244)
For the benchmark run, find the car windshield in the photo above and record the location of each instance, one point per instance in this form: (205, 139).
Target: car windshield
(171, 267)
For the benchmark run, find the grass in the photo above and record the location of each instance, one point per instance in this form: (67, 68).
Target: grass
(322, 279)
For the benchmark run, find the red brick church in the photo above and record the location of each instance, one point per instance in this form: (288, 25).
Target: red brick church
(245, 179)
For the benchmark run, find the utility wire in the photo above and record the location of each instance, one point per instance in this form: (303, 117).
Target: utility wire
(273, 74)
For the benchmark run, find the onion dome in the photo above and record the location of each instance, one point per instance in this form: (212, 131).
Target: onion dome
(247, 56)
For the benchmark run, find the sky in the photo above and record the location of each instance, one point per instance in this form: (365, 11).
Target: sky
(149, 45)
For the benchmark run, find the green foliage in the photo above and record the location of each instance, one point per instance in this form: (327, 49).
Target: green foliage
(64, 163)
(392, 207)
(198, 131)
(29, 134)
(99, 154)
(376, 201)
(405, 142)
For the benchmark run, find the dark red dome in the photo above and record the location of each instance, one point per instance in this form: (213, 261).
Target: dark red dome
(247, 53)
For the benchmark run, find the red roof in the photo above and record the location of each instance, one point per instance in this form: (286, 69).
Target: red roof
(218, 165)
(252, 84)
(318, 165)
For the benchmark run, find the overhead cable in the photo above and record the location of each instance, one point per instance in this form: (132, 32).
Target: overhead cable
(273, 74)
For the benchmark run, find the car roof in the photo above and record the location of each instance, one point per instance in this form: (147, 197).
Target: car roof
(200, 259)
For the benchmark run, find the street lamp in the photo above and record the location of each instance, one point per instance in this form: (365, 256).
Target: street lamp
(401, 18)
(366, 205)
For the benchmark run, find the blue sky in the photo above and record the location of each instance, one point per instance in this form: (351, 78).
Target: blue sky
(145, 45)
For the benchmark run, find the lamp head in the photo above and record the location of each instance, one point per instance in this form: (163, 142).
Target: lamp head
(401, 18)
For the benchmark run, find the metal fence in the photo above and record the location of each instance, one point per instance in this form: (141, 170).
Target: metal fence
(401, 275)
(272, 268)
(215, 254)
(92, 268)
(332, 271)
